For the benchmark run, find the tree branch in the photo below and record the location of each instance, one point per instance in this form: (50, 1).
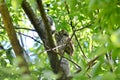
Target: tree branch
(47, 40)
(49, 43)
(71, 24)
(33, 18)
(29, 37)
(25, 28)
(12, 36)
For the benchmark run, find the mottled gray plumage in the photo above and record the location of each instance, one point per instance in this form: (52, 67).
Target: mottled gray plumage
(64, 42)
(65, 66)
(52, 24)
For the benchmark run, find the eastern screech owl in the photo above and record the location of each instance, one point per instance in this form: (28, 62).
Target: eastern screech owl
(51, 22)
(65, 66)
(64, 43)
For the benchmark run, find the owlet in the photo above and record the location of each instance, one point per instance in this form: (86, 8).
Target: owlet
(64, 43)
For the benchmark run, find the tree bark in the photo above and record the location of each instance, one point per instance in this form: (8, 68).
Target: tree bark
(13, 37)
(54, 61)
(46, 36)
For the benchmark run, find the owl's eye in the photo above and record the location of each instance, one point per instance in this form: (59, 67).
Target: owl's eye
(65, 34)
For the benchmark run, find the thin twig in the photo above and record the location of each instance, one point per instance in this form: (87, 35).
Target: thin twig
(25, 28)
(92, 62)
(83, 28)
(80, 46)
(71, 24)
(73, 62)
(62, 55)
(109, 59)
(52, 48)
(19, 28)
(30, 37)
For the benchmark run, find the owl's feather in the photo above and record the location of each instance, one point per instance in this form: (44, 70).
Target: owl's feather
(63, 40)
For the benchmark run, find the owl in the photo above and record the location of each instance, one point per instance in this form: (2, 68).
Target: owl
(51, 22)
(64, 42)
(65, 66)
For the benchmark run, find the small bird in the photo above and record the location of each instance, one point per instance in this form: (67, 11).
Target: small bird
(65, 66)
(64, 42)
(51, 22)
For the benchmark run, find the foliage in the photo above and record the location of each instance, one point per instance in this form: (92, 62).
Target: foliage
(94, 25)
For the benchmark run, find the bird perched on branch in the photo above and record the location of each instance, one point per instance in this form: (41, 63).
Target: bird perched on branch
(66, 67)
(64, 42)
(51, 22)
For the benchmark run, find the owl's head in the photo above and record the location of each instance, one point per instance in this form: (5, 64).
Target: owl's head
(61, 34)
(51, 22)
